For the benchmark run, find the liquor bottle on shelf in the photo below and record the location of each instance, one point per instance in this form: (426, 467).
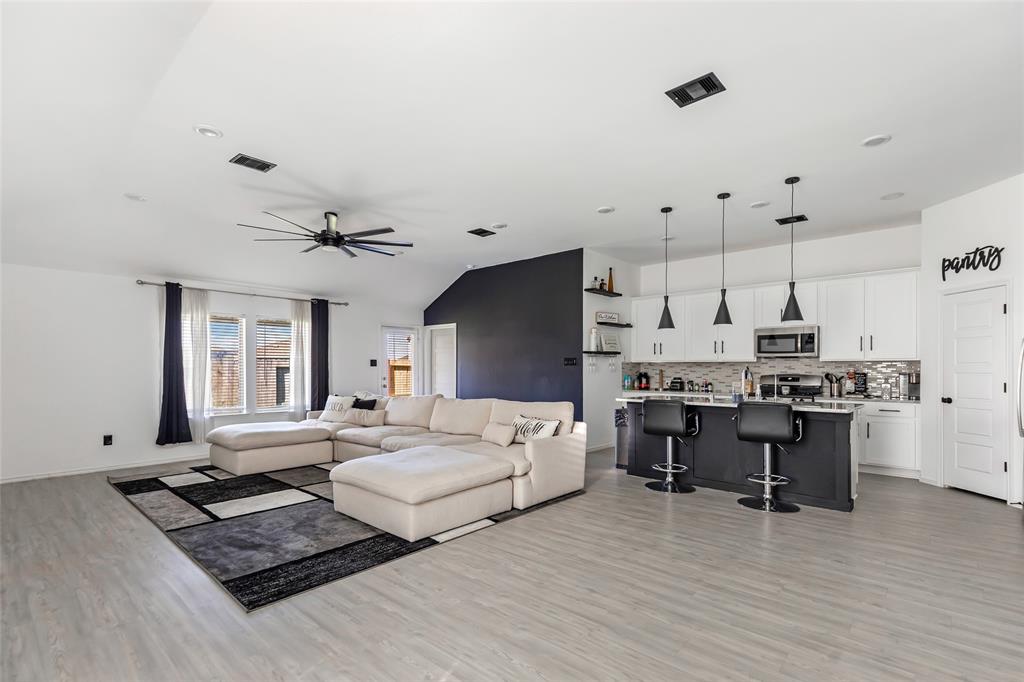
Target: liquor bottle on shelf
(611, 281)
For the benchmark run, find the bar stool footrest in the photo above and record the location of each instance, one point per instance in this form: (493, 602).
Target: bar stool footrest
(770, 479)
(667, 468)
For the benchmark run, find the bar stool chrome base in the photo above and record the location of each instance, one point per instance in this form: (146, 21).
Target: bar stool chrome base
(768, 505)
(669, 486)
(670, 469)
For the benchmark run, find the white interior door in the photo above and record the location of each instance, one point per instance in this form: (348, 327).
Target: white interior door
(440, 356)
(975, 447)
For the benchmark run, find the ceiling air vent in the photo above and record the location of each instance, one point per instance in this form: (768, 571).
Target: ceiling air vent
(696, 90)
(481, 232)
(789, 220)
(252, 162)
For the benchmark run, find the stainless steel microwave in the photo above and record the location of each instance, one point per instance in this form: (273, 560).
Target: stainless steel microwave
(787, 342)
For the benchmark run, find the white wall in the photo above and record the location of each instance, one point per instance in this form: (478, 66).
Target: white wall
(601, 387)
(81, 358)
(898, 247)
(994, 216)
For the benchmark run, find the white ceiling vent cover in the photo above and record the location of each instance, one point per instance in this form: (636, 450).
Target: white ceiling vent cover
(696, 90)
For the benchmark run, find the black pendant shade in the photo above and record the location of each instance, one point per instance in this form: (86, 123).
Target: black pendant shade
(723, 316)
(792, 311)
(666, 315)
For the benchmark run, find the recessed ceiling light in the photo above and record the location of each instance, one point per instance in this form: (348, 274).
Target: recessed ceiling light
(606, 209)
(134, 197)
(875, 140)
(892, 196)
(499, 226)
(760, 204)
(207, 131)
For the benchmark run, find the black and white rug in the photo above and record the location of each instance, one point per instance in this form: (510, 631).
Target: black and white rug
(265, 537)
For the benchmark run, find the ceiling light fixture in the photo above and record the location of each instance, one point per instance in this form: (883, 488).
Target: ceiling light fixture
(892, 196)
(470, 267)
(760, 204)
(207, 131)
(875, 140)
(792, 311)
(666, 315)
(606, 209)
(499, 226)
(134, 197)
(723, 316)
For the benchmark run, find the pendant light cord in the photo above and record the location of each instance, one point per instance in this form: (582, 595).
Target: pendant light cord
(792, 196)
(666, 254)
(723, 243)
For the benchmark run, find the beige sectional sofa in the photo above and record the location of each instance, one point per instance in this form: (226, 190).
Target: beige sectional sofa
(541, 468)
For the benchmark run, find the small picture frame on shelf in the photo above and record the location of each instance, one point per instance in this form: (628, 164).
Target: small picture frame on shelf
(610, 342)
(608, 317)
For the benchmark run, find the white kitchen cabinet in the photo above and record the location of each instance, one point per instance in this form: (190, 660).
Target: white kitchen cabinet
(841, 318)
(651, 344)
(770, 301)
(890, 442)
(700, 336)
(736, 340)
(890, 316)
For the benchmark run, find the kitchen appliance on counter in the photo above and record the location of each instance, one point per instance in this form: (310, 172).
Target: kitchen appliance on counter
(903, 386)
(792, 385)
(914, 386)
(786, 342)
(676, 384)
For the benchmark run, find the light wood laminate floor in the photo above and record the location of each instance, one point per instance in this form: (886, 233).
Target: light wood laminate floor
(620, 583)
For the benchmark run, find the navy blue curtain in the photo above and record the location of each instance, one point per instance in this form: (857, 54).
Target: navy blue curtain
(173, 410)
(319, 352)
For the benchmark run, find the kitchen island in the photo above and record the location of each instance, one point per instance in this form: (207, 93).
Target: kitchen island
(822, 467)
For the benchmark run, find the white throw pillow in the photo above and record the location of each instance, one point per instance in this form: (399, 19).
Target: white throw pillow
(364, 417)
(499, 434)
(528, 428)
(334, 410)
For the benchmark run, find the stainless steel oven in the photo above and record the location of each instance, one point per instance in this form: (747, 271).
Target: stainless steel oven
(786, 342)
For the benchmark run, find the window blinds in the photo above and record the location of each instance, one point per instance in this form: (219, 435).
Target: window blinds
(273, 357)
(227, 375)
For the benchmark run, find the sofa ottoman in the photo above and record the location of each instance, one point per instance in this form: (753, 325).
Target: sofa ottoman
(268, 446)
(422, 491)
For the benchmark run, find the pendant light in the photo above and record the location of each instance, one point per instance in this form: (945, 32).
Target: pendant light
(666, 314)
(792, 311)
(723, 316)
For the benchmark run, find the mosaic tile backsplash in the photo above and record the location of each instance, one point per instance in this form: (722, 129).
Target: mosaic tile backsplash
(722, 374)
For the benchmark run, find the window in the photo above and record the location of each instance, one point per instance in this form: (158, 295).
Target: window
(398, 349)
(273, 357)
(227, 363)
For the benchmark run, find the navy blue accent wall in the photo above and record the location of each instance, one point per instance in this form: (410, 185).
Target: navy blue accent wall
(517, 323)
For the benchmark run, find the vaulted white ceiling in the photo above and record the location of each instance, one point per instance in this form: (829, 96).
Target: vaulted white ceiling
(438, 118)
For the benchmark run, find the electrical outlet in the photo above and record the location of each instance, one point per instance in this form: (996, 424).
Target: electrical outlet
(373, 363)
(108, 439)
(569, 362)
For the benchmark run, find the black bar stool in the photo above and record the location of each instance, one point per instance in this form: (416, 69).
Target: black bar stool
(672, 419)
(769, 424)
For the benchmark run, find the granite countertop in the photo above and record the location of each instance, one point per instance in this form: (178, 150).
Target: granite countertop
(726, 396)
(726, 401)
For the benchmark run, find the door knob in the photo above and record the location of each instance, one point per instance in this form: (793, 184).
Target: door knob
(947, 400)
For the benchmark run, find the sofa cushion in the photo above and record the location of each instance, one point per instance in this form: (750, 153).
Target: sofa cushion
(355, 415)
(335, 407)
(514, 454)
(499, 434)
(333, 427)
(410, 411)
(504, 411)
(364, 403)
(528, 428)
(393, 443)
(465, 417)
(265, 435)
(421, 474)
(373, 435)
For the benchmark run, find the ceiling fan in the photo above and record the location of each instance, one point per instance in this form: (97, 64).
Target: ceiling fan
(329, 239)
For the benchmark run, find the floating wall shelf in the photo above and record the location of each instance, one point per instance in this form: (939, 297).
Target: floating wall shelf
(603, 292)
(621, 325)
(602, 352)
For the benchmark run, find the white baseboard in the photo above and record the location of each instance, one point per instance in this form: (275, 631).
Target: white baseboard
(180, 457)
(890, 471)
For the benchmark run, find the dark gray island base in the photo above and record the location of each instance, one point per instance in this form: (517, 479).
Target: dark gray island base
(819, 466)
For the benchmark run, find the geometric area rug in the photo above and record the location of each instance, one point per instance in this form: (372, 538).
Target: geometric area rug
(266, 537)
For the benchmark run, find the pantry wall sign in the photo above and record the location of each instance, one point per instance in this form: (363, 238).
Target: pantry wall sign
(987, 257)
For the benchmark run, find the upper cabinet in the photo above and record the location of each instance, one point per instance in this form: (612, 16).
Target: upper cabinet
(707, 342)
(700, 336)
(769, 302)
(651, 344)
(869, 318)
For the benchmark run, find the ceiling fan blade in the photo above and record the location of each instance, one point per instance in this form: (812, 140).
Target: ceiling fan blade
(298, 239)
(350, 252)
(291, 223)
(270, 229)
(379, 243)
(371, 248)
(315, 246)
(369, 233)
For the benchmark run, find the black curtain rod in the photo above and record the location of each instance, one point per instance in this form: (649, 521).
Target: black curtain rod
(142, 282)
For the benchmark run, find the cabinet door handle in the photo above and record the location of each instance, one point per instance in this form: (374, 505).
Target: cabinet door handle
(862, 343)
(716, 348)
(780, 314)
(883, 409)
(654, 348)
(723, 347)
(871, 340)
(661, 349)
(869, 429)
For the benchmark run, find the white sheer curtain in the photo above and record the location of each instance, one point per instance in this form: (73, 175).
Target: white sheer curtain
(195, 351)
(299, 362)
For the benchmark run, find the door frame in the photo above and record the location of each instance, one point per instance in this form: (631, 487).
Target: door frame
(426, 365)
(1014, 465)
